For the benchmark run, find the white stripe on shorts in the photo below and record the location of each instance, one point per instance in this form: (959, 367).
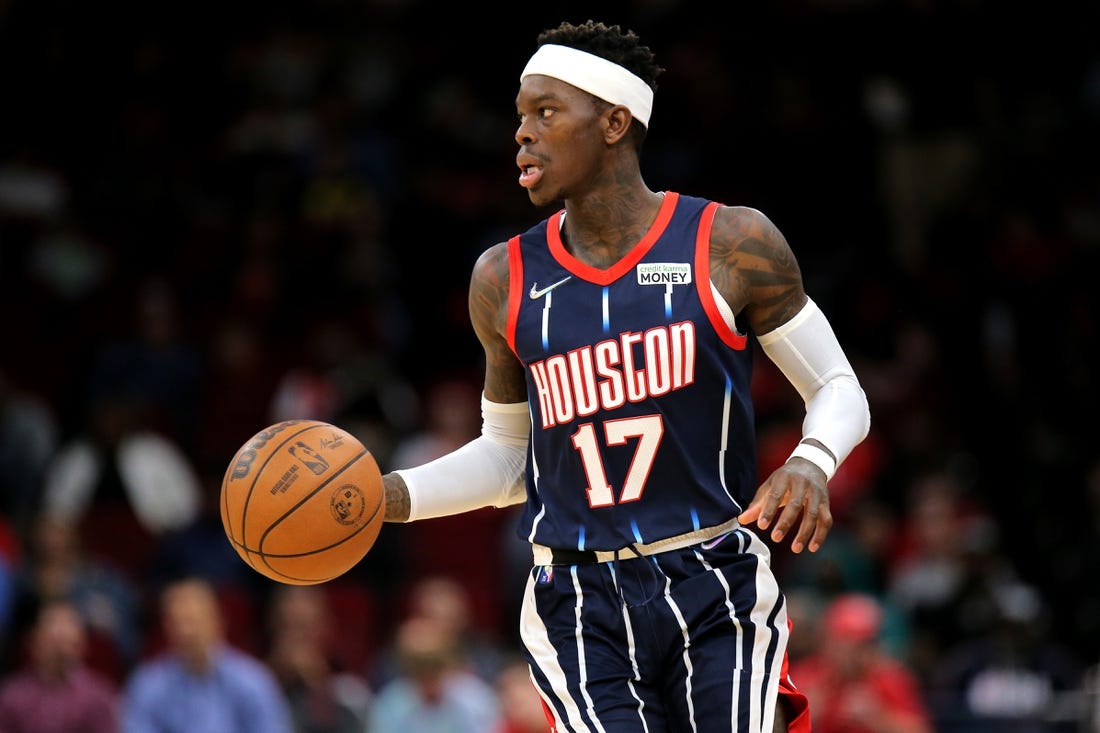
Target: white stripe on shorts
(767, 597)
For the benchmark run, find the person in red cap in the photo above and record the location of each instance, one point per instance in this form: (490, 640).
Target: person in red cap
(853, 685)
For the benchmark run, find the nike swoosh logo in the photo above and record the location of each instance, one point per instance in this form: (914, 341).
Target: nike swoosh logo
(711, 544)
(536, 293)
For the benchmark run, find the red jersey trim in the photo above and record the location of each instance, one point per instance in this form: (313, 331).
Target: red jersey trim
(515, 291)
(702, 281)
(623, 266)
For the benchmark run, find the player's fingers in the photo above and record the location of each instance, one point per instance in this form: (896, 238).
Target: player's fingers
(769, 497)
(824, 524)
(789, 515)
(811, 513)
(751, 512)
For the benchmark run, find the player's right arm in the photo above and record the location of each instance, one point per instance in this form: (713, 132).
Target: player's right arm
(505, 381)
(489, 470)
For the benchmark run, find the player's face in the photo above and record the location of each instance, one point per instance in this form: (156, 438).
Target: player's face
(560, 137)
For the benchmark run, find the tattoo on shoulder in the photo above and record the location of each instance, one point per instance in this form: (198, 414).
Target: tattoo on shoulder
(752, 263)
(489, 291)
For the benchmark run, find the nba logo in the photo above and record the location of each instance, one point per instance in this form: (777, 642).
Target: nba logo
(312, 459)
(546, 574)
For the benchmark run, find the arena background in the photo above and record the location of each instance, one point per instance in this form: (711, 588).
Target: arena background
(209, 207)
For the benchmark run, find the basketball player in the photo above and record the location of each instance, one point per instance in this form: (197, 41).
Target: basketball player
(616, 404)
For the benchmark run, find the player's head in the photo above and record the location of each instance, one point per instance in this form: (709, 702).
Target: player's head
(606, 85)
(590, 86)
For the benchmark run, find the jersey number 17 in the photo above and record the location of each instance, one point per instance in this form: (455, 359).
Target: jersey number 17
(648, 429)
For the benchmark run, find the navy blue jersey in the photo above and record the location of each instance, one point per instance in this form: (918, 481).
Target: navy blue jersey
(642, 422)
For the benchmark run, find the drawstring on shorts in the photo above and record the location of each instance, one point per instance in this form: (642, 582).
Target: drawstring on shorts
(653, 571)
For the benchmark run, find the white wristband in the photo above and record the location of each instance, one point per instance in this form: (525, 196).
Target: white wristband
(816, 456)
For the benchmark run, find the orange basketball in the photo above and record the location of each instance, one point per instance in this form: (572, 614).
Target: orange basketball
(302, 502)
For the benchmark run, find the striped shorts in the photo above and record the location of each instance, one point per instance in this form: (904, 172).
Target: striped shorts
(691, 639)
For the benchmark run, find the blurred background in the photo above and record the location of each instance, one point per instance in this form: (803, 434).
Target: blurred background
(215, 216)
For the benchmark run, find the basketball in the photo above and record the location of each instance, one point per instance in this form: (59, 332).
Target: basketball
(302, 502)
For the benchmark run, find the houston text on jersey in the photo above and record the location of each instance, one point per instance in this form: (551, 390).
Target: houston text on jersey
(607, 375)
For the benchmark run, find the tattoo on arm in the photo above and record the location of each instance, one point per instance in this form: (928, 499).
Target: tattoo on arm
(488, 303)
(754, 267)
(398, 503)
(488, 299)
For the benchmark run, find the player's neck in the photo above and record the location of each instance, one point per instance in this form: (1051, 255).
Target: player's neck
(602, 227)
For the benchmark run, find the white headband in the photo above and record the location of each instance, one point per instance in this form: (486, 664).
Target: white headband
(595, 75)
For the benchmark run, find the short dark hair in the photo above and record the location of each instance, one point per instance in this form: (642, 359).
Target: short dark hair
(610, 42)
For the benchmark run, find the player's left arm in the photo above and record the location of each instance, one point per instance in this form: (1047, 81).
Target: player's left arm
(753, 267)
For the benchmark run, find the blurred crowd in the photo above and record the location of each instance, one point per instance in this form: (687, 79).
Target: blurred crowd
(216, 217)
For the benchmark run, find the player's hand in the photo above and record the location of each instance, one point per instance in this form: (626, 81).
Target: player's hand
(797, 488)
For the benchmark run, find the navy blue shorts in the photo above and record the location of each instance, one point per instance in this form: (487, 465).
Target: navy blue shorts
(682, 641)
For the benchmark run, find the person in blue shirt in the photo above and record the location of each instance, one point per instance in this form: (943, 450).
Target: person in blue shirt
(435, 691)
(200, 682)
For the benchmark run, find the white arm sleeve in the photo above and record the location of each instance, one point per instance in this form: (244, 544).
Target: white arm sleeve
(487, 471)
(807, 352)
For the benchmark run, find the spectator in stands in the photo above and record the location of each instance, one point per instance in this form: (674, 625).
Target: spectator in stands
(54, 691)
(432, 693)
(945, 562)
(323, 697)
(447, 600)
(57, 567)
(1012, 678)
(853, 685)
(200, 683)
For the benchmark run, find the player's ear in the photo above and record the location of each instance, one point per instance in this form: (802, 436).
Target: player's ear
(618, 119)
